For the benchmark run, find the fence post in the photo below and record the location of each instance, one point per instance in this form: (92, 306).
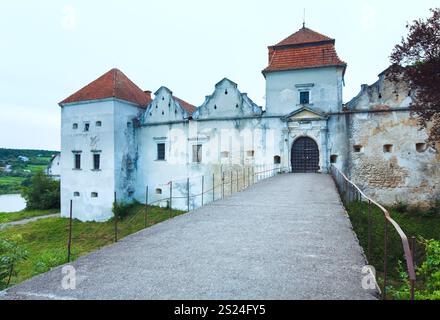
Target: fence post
(146, 206)
(249, 176)
(385, 260)
(116, 221)
(187, 188)
(69, 243)
(413, 257)
(244, 178)
(203, 188)
(171, 198)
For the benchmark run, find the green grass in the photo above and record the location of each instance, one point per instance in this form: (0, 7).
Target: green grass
(34, 168)
(46, 240)
(25, 214)
(417, 224)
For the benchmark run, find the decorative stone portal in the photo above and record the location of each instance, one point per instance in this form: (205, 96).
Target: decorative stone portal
(305, 156)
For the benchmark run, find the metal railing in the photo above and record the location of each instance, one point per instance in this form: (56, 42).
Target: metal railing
(351, 193)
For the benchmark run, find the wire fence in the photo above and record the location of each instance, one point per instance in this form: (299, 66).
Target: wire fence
(384, 241)
(182, 196)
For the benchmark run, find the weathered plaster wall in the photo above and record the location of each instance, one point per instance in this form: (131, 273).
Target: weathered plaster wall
(404, 173)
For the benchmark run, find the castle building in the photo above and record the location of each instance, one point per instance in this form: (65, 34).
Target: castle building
(120, 141)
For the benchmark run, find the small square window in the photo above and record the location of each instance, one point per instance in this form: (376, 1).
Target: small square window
(161, 151)
(357, 148)
(388, 148)
(304, 97)
(250, 153)
(76, 194)
(98, 123)
(129, 124)
(75, 126)
(333, 158)
(277, 160)
(225, 154)
(94, 194)
(421, 147)
(158, 191)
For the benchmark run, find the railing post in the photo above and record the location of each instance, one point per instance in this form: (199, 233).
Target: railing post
(69, 242)
(213, 187)
(171, 198)
(244, 178)
(249, 177)
(223, 185)
(203, 188)
(385, 260)
(187, 188)
(237, 180)
(116, 221)
(146, 206)
(232, 183)
(369, 231)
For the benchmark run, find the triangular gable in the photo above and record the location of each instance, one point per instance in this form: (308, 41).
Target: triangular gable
(305, 114)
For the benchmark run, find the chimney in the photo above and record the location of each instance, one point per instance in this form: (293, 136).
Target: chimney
(148, 93)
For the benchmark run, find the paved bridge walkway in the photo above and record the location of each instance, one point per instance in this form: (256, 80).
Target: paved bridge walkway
(284, 238)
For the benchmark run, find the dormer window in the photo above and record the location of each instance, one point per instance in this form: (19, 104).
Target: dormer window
(304, 97)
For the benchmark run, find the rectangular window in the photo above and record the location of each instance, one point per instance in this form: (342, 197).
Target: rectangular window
(94, 194)
(161, 151)
(197, 153)
(86, 127)
(304, 97)
(388, 148)
(96, 161)
(77, 164)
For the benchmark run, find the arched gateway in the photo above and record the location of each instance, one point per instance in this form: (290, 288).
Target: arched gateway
(305, 156)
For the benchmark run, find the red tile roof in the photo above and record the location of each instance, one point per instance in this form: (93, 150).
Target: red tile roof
(303, 49)
(185, 105)
(304, 35)
(113, 84)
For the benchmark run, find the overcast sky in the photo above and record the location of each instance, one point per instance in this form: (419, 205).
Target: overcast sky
(50, 49)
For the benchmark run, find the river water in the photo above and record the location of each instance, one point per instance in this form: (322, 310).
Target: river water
(12, 203)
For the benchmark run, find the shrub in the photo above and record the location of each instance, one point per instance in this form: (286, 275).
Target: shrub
(428, 273)
(11, 252)
(401, 207)
(49, 259)
(122, 210)
(43, 193)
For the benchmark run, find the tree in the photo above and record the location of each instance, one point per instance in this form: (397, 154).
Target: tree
(43, 193)
(416, 61)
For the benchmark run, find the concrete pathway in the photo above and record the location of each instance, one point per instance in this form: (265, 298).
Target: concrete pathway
(285, 238)
(26, 221)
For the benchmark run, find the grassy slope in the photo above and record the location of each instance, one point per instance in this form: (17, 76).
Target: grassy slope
(47, 239)
(25, 214)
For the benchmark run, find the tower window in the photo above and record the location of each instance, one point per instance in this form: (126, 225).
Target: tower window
(388, 148)
(77, 161)
(86, 127)
(75, 126)
(250, 153)
(225, 154)
(304, 97)
(197, 153)
(333, 158)
(277, 160)
(161, 151)
(96, 161)
(98, 123)
(76, 194)
(94, 195)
